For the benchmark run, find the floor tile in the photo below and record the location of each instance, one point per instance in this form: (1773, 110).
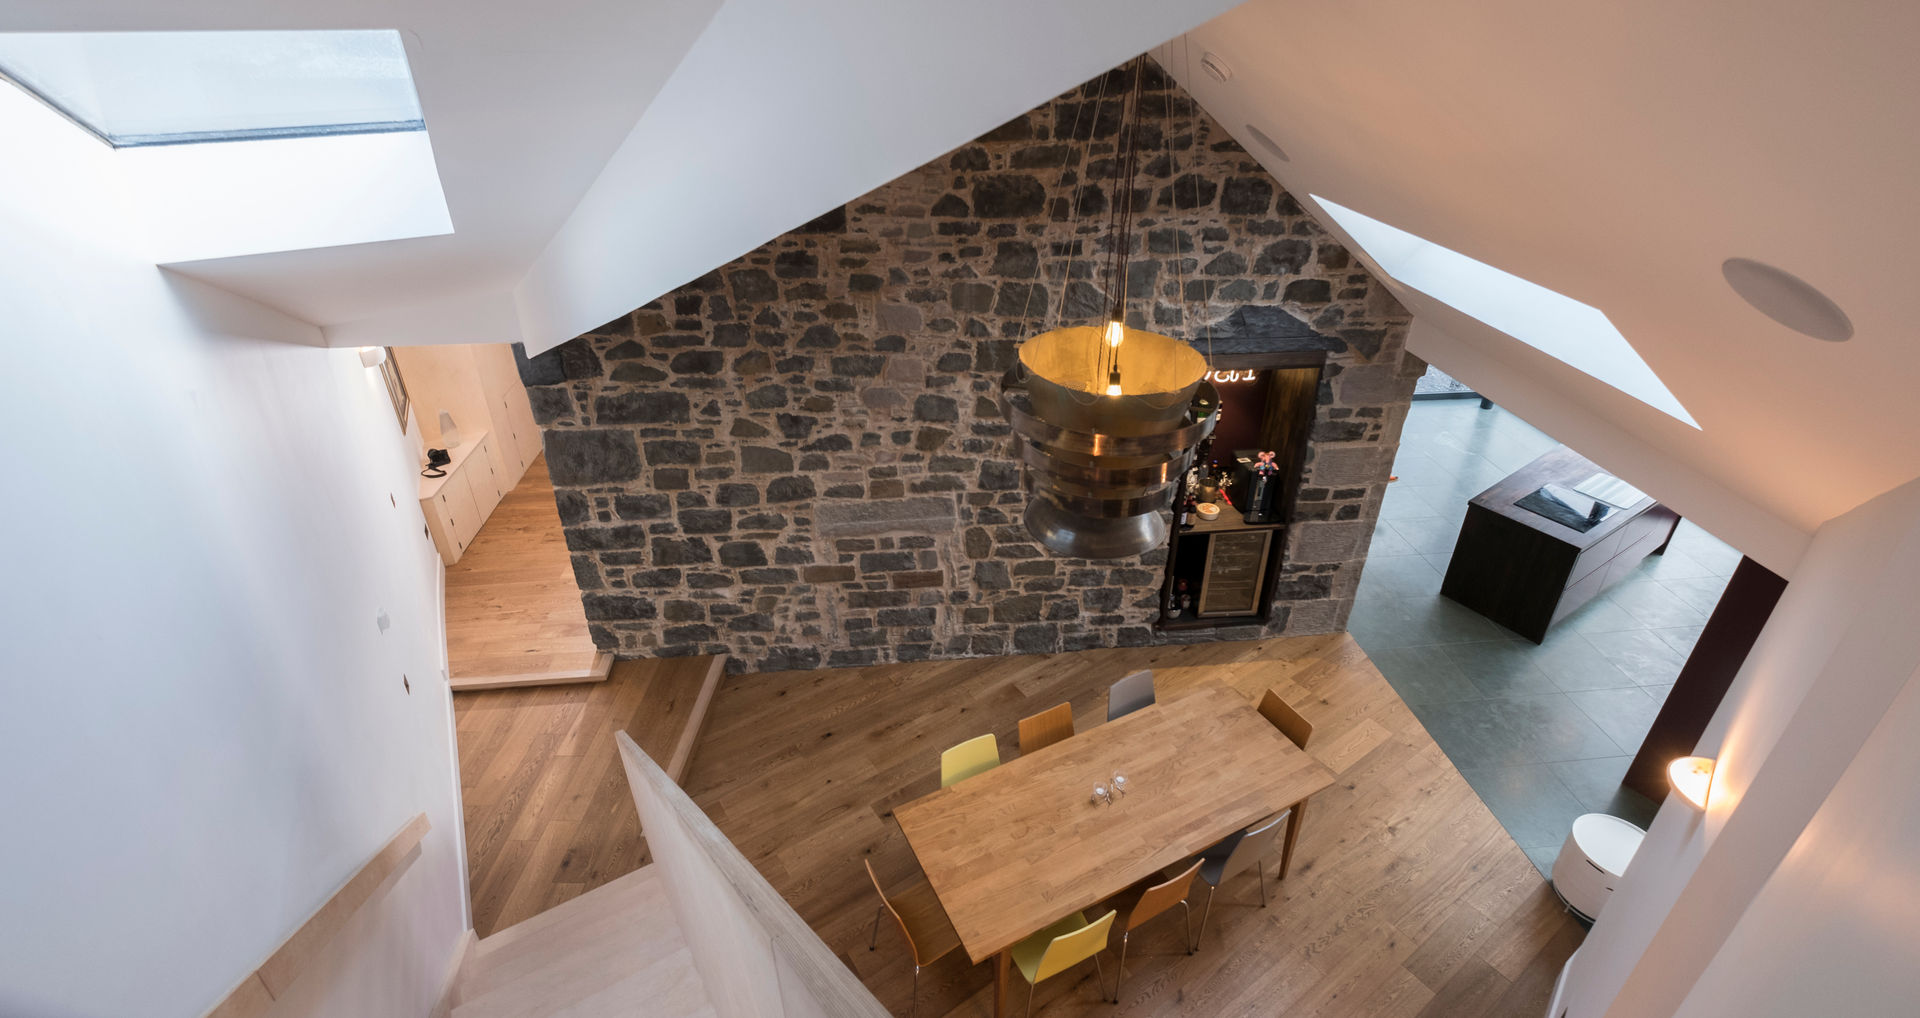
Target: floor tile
(1674, 565)
(1514, 730)
(1624, 714)
(1575, 663)
(1543, 857)
(1501, 668)
(1424, 675)
(1681, 639)
(1596, 783)
(1403, 500)
(1654, 606)
(1428, 535)
(1600, 616)
(1406, 576)
(1529, 801)
(1703, 594)
(1387, 543)
(1645, 658)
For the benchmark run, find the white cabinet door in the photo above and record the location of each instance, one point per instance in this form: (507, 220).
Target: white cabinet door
(463, 512)
(484, 478)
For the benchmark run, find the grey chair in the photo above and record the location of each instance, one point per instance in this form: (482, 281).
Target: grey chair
(1130, 694)
(1238, 853)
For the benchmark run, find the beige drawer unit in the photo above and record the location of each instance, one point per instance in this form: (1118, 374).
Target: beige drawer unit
(456, 505)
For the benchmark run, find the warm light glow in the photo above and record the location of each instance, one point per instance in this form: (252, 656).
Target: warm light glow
(1691, 776)
(1113, 389)
(1115, 333)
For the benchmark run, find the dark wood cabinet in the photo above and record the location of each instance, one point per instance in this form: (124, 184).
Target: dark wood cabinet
(1526, 571)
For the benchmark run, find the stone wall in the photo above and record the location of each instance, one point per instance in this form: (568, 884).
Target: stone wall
(797, 459)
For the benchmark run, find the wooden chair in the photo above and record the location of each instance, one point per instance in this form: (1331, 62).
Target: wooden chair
(1060, 947)
(1299, 730)
(922, 921)
(974, 756)
(1235, 855)
(1046, 728)
(1130, 694)
(1149, 902)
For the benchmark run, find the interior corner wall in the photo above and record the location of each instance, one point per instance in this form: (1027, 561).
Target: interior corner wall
(213, 579)
(1833, 660)
(479, 386)
(798, 460)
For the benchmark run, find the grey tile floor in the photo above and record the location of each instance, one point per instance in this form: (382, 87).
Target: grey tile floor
(1543, 732)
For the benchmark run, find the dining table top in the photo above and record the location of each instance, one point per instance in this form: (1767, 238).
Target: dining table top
(1012, 849)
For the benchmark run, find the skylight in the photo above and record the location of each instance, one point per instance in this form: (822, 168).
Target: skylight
(1578, 335)
(170, 88)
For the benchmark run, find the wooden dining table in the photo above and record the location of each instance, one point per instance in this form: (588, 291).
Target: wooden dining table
(1015, 848)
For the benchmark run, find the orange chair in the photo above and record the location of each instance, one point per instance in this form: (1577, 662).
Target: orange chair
(922, 921)
(1299, 730)
(1149, 902)
(1046, 728)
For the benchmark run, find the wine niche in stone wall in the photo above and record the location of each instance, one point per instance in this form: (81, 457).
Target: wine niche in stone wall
(799, 459)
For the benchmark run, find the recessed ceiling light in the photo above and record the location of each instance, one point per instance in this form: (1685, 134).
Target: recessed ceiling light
(1267, 143)
(1787, 299)
(1215, 67)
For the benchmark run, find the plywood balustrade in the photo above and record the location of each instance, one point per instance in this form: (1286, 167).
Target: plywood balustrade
(757, 957)
(257, 992)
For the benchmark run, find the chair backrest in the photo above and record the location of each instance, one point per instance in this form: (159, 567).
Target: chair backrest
(1130, 694)
(1162, 896)
(894, 912)
(1285, 718)
(974, 756)
(1046, 728)
(1254, 846)
(1070, 949)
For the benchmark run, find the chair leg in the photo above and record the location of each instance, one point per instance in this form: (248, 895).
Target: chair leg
(1120, 973)
(1186, 926)
(874, 941)
(1260, 870)
(1206, 913)
(1100, 973)
(914, 1001)
(1030, 989)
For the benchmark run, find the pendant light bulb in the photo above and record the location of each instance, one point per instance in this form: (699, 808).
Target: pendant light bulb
(1115, 333)
(1113, 381)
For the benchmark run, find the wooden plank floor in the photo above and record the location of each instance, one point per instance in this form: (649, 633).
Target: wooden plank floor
(548, 813)
(1407, 897)
(512, 606)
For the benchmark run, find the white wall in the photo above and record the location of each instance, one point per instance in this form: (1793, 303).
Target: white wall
(203, 728)
(1839, 648)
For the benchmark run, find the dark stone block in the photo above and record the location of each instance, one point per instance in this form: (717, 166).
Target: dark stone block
(954, 363)
(758, 459)
(681, 552)
(687, 634)
(618, 607)
(790, 489)
(1040, 638)
(828, 574)
(763, 521)
(1016, 259)
(935, 408)
(864, 365)
(795, 425)
(918, 578)
(737, 495)
(991, 575)
(670, 479)
(638, 374)
(767, 397)
(1227, 263)
(819, 337)
(742, 553)
(630, 535)
(1008, 196)
(683, 611)
(1246, 196)
(997, 475)
(950, 206)
(574, 507)
(709, 581)
(1104, 599)
(550, 405)
(640, 507)
(1022, 300)
(973, 157)
(699, 362)
(642, 408)
(886, 561)
(1282, 258)
(796, 265)
(665, 451)
(971, 297)
(752, 622)
(753, 286)
(833, 220)
(1024, 608)
(852, 658)
(862, 282)
(544, 369)
(743, 428)
(1308, 291)
(586, 575)
(656, 578)
(906, 616)
(706, 521)
(578, 457)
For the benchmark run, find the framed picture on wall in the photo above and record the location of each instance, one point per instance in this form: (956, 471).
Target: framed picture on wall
(396, 388)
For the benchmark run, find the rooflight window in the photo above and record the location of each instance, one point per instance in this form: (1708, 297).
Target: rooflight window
(171, 88)
(1576, 334)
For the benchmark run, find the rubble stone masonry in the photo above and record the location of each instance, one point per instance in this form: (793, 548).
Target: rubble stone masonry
(797, 458)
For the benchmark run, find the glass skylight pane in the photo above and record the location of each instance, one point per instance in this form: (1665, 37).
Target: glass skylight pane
(1579, 335)
(162, 88)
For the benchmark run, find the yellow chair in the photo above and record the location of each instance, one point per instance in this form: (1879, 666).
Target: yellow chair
(1060, 947)
(974, 756)
(1148, 902)
(922, 921)
(1046, 728)
(1298, 729)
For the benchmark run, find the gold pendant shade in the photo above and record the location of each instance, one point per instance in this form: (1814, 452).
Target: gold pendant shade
(1102, 468)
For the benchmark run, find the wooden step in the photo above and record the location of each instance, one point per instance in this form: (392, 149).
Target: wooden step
(673, 710)
(602, 667)
(615, 950)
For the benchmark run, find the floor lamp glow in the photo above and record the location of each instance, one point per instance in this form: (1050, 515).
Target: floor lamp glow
(1692, 777)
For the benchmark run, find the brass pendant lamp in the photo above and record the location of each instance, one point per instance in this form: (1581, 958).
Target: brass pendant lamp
(1106, 416)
